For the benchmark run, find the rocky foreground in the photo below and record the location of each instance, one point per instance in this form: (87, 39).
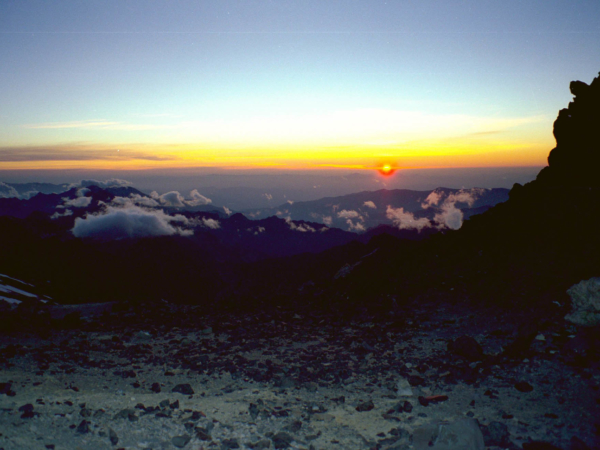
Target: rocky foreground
(422, 378)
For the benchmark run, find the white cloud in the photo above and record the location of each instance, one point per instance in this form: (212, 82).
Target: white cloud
(66, 212)
(345, 214)
(129, 222)
(135, 199)
(198, 199)
(355, 226)
(370, 204)
(269, 197)
(78, 202)
(328, 220)
(405, 220)
(172, 198)
(211, 223)
(303, 227)
(291, 202)
(7, 191)
(450, 216)
(227, 210)
(112, 182)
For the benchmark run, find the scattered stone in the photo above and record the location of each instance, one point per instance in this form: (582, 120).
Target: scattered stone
(466, 347)
(415, 380)
(229, 443)
(253, 410)
(155, 388)
(83, 427)
(496, 433)
(523, 386)
(181, 441)
(202, 433)
(365, 406)
(585, 298)
(112, 435)
(464, 434)
(282, 440)
(539, 445)
(184, 389)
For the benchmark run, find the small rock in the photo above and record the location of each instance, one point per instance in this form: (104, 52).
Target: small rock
(155, 388)
(496, 433)
(523, 386)
(365, 406)
(282, 440)
(229, 443)
(415, 380)
(112, 435)
(181, 441)
(253, 410)
(184, 389)
(466, 347)
(83, 427)
(463, 434)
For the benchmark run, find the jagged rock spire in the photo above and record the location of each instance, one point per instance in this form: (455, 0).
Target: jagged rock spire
(575, 161)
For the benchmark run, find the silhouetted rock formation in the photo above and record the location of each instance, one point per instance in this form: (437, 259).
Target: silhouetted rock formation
(576, 159)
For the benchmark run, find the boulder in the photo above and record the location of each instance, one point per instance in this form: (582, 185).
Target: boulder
(585, 298)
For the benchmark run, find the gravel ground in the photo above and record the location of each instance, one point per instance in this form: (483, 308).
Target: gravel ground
(293, 380)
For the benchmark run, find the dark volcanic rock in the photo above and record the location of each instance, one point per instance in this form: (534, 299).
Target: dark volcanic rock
(496, 433)
(466, 347)
(523, 386)
(155, 388)
(184, 389)
(282, 440)
(365, 406)
(83, 427)
(112, 435)
(181, 441)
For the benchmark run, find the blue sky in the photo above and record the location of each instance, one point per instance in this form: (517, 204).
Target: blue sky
(118, 84)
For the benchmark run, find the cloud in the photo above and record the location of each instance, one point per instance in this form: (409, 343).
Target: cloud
(345, 214)
(135, 199)
(172, 198)
(198, 199)
(370, 204)
(81, 201)
(269, 197)
(328, 220)
(355, 226)
(303, 227)
(227, 210)
(66, 212)
(112, 182)
(450, 216)
(405, 220)
(7, 191)
(129, 222)
(291, 202)
(211, 223)
(76, 152)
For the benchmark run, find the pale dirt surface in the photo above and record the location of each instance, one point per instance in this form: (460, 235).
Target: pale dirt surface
(304, 377)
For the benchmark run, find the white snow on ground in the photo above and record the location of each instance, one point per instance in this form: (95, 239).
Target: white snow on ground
(6, 276)
(12, 301)
(10, 289)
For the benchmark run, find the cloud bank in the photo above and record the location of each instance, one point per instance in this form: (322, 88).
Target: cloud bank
(129, 222)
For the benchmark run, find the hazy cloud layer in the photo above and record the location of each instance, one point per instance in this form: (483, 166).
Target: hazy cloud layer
(129, 222)
(76, 153)
(172, 198)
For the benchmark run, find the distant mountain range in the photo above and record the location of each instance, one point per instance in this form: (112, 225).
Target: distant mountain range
(364, 210)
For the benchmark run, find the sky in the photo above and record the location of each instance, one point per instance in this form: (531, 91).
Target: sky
(127, 85)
